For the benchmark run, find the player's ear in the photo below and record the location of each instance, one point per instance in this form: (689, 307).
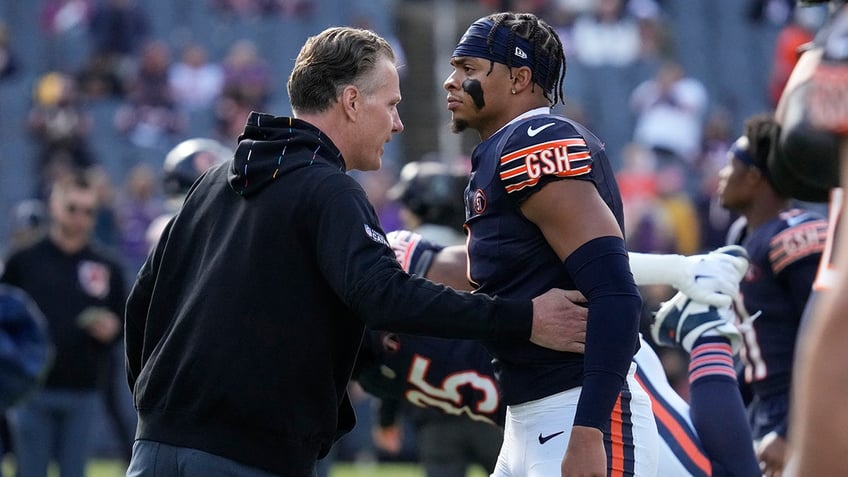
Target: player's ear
(522, 77)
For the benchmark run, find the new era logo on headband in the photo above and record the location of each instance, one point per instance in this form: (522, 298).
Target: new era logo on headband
(520, 53)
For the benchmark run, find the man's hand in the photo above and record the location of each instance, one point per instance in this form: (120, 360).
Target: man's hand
(585, 455)
(100, 323)
(388, 439)
(559, 322)
(772, 453)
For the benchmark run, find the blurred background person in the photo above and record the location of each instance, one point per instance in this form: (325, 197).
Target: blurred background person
(59, 126)
(430, 194)
(8, 58)
(81, 292)
(28, 223)
(182, 166)
(785, 245)
(25, 350)
(195, 80)
(431, 197)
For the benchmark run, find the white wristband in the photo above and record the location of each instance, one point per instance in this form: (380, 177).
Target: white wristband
(654, 269)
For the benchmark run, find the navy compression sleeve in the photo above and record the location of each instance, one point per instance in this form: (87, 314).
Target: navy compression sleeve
(717, 410)
(601, 271)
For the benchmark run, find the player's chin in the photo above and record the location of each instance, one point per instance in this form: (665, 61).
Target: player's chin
(458, 125)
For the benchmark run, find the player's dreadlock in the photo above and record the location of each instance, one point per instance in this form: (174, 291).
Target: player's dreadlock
(546, 44)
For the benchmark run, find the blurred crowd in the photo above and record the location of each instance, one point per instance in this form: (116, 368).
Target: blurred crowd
(118, 83)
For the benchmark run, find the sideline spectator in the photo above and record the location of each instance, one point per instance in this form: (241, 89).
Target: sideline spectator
(799, 31)
(60, 127)
(670, 111)
(150, 118)
(247, 75)
(8, 59)
(80, 289)
(196, 82)
(118, 29)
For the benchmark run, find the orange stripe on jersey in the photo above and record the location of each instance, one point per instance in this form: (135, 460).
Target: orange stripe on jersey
(667, 419)
(558, 158)
(796, 243)
(531, 182)
(536, 148)
(617, 440)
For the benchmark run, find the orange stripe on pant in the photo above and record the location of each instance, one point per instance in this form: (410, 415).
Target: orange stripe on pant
(665, 418)
(617, 440)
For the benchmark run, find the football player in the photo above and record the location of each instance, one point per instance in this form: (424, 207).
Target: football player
(543, 209)
(785, 246)
(810, 164)
(182, 166)
(457, 377)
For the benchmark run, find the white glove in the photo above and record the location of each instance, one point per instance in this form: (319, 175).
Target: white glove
(681, 321)
(403, 243)
(712, 278)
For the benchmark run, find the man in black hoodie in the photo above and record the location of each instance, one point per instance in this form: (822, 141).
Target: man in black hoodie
(244, 323)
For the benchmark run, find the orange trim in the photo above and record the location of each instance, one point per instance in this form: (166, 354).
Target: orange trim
(617, 440)
(542, 147)
(781, 256)
(514, 172)
(691, 449)
(531, 182)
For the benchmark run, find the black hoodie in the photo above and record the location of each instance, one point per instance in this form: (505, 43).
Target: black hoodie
(244, 323)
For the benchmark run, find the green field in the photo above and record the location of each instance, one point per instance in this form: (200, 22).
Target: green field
(106, 468)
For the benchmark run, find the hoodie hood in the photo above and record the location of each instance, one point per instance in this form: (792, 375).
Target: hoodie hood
(272, 146)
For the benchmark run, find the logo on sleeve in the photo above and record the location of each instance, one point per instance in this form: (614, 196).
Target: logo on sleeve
(376, 236)
(532, 132)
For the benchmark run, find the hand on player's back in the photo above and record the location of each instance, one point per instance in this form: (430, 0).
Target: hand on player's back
(559, 321)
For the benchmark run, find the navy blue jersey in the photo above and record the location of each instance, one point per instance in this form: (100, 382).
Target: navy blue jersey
(508, 255)
(455, 377)
(785, 253)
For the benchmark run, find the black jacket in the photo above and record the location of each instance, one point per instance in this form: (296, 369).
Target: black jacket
(244, 323)
(64, 286)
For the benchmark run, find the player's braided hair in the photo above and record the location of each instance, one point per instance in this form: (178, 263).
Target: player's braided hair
(546, 43)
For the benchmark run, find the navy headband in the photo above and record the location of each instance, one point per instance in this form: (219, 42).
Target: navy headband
(739, 150)
(474, 43)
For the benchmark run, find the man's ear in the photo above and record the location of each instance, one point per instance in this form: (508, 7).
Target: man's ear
(522, 78)
(351, 99)
(755, 176)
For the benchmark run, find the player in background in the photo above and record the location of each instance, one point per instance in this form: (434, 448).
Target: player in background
(785, 245)
(456, 377)
(430, 197)
(543, 209)
(183, 165)
(810, 163)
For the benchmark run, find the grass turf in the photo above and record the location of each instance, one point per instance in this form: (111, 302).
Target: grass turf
(114, 468)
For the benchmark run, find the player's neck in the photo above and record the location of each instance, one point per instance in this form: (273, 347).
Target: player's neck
(764, 209)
